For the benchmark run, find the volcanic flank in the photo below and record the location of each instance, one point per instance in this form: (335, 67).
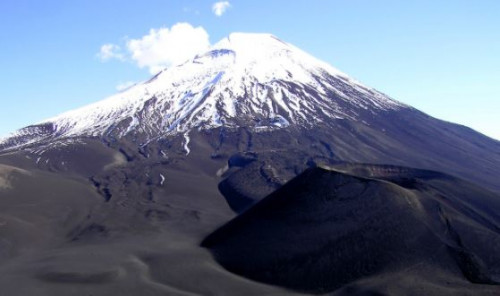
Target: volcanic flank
(116, 197)
(325, 229)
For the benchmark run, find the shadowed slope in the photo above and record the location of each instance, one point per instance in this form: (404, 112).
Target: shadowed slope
(326, 229)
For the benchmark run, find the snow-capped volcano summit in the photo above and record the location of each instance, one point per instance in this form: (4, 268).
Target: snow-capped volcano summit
(249, 80)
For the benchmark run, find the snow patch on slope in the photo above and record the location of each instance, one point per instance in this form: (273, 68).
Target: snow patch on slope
(186, 143)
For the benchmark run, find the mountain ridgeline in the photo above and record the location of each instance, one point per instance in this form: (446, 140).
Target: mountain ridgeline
(252, 168)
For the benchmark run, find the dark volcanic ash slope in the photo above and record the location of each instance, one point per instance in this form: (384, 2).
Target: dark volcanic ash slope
(111, 223)
(397, 232)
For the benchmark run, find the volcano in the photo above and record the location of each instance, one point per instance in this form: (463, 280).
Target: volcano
(247, 150)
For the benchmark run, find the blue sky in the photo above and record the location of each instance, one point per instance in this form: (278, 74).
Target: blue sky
(442, 57)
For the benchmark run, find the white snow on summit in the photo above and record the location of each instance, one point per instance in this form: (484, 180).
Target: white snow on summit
(243, 79)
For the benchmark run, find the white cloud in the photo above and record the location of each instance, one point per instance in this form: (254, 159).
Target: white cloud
(164, 47)
(220, 7)
(124, 85)
(160, 48)
(110, 51)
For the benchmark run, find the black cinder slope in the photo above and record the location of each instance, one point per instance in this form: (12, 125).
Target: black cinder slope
(328, 231)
